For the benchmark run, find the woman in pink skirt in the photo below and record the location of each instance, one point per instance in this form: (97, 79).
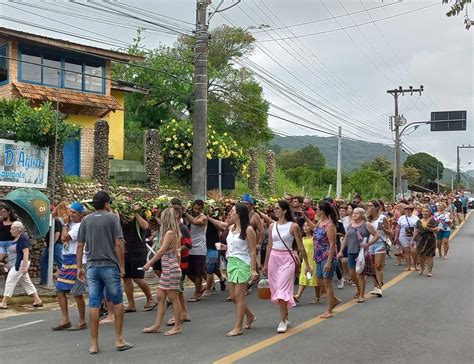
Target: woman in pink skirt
(280, 263)
(171, 272)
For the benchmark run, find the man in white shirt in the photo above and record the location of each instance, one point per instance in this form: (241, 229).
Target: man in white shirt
(67, 280)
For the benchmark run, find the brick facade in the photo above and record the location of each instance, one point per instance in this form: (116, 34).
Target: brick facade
(87, 152)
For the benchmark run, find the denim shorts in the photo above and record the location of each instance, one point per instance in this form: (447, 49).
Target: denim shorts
(104, 280)
(321, 274)
(4, 246)
(351, 260)
(442, 234)
(377, 247)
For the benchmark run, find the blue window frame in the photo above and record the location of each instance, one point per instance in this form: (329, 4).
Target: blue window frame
(61, 69)
(3, 64)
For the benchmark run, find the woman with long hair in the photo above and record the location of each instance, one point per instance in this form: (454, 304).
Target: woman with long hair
(304, 281)
(325, 235)
(7, 217)
(425, 236)
(168, 286)
(241, 264)
(280, 262)
(358, 235)
(442, 238)
(377, 250)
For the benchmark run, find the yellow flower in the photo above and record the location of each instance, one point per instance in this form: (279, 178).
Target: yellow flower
(189, 144)
(180, 156)
(172, 152)
(225, 134)
(176, 146)
(174, 137)
(182, 144)
(188, 167)
(214, 143)
(209, 156)
(168, 139)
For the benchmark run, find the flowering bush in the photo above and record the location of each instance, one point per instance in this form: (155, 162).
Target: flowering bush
(176, 147)
(34, 124)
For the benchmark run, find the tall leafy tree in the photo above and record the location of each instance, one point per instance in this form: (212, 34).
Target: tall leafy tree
(309, 156)
(236, 104)
(457, 7)
(429, 167)
(380, 164)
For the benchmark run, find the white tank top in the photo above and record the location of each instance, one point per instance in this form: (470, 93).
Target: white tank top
(378, 226)
(285, 234)
(237, 248)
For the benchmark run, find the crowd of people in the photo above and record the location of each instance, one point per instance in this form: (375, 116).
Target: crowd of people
(295, 241)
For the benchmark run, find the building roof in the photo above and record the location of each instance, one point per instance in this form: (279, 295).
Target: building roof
(128, 87)
(71, 102)
(67, 45)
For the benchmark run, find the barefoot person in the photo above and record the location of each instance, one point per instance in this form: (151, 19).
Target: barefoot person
(241, 264)
(425, 236)
(325, 234)
(280, 262)
(67, 280)
(169, 254)
(18, 263)
(101, 236)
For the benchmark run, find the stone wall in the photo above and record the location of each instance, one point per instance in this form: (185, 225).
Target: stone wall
(87, 152)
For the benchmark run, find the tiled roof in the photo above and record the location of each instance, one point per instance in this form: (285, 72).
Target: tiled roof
(85, 103)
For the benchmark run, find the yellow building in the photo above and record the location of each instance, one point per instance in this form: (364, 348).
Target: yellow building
(76, 76)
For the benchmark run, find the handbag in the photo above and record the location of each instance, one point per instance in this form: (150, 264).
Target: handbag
(409, 230)
(295, 258)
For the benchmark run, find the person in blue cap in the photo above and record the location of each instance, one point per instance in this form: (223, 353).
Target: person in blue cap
(67, 280)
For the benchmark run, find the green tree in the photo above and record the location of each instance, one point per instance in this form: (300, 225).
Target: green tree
(412, 174)
(380, 164)
(369, 183)
(235, 100)
(429, 167)
(309, 156)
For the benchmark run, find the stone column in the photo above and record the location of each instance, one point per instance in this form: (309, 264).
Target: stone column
(253, 171)
(270, 170)
(152, 160)
(101, 153)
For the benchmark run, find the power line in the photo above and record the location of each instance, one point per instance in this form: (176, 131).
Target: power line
(352, 26)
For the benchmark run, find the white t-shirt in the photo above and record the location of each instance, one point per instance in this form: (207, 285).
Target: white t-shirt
(71, 246)
(406, 222)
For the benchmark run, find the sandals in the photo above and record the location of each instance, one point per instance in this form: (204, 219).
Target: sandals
(233, 333)
(151, 330)
(361, 300)
(125, 346)
(296, 298)
(65, 326)
(248, 325)
(315, 300)
(194, 299)
(78, 327)
(36, 305)
(172, 332)
(150, 308)
(326, 315)
(128, 310)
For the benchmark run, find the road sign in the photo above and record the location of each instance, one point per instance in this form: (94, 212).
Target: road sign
(220, 174)
(448, 120)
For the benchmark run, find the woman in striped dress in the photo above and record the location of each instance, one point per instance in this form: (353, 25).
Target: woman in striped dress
(171, 272)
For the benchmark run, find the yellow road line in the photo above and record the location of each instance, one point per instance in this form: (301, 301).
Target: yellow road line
(310, 323)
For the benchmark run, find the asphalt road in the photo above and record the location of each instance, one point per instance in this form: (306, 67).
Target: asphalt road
(419, 320)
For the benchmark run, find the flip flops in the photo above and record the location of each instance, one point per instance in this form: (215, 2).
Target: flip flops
(194, 299)
(65, 326)
(124, 347)
(150, 308)
(128, 310)
(78, 327)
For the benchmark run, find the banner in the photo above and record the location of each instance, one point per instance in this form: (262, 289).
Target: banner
(23, 164)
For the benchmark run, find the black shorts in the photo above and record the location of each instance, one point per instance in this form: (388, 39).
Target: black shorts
(157, 265)
(197, 266)
(132, 262)
(464, 210)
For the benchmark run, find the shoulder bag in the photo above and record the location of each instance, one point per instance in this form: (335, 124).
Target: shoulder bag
(293, 255)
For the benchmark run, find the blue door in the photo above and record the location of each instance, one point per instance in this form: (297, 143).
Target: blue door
(72, 158)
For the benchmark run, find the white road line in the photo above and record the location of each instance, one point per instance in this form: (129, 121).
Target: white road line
(22, 325)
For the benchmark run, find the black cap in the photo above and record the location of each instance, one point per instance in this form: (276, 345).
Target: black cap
(101, 198)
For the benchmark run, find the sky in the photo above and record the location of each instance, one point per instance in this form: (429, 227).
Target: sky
(339, 56)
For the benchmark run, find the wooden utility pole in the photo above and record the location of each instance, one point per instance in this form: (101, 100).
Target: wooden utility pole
(199, 171)
(399, 121)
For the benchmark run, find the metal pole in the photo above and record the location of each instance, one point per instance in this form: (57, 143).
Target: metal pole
(399, 189)
(220, 176)
(458, 167)
(198, 187)
(50, 283)
(339, 165)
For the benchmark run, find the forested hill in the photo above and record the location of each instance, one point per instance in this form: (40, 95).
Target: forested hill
(354, 153)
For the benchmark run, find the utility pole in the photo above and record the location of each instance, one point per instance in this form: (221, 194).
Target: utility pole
(339, 164)
(399, 121)
(199, 171)
(458, 162)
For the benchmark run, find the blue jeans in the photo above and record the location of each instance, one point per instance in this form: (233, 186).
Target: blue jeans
(104, 278)
(58, 261)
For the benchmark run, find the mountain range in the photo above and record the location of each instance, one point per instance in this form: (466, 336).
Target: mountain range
(354, 152)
